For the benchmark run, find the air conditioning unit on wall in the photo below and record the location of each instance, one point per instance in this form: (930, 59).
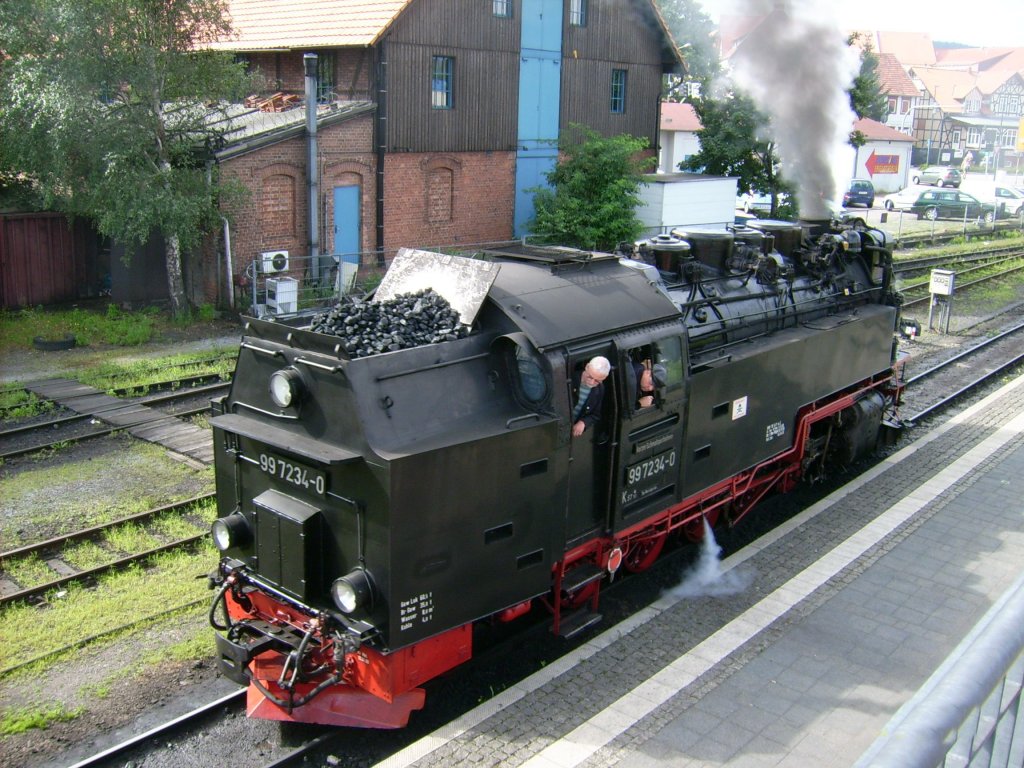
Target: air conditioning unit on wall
(273, 261)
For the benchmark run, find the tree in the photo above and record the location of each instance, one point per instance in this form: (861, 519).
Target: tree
(694, 33)
(594, 191)
(866, 97)
(110, 110)
(733, 143)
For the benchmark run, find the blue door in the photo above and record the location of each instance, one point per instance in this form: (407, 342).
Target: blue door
(540, 88)
(347, 234)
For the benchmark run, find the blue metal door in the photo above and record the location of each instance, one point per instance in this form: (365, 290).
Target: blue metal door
(540, 87)
(346, 220)
(347, 234)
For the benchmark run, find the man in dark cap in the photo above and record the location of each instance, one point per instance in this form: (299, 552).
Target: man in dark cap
(648, 378)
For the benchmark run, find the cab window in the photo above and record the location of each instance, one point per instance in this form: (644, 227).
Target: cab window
(531, 382)
(651, 371)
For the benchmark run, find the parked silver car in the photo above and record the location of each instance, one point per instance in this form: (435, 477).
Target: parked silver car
(903, 200)
(941, 176)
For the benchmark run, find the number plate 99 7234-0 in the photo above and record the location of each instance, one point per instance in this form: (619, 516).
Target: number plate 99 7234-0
(293, 473)
(654, 468)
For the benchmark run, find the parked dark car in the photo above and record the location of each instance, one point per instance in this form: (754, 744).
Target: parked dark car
(952, 204)
(859, 192)
(941, 176)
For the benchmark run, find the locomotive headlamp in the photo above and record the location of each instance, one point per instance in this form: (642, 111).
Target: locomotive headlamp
(286, 387)
(352, 590)
(230, 531)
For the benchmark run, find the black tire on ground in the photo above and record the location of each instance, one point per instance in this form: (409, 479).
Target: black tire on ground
(55, 345)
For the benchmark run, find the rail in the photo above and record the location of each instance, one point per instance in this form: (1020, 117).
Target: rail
(969, 712)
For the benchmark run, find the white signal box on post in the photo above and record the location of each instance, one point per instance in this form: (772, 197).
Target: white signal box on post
(943, 282)
(941, 286)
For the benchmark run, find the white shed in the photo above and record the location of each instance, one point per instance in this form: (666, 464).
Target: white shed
(671, 200)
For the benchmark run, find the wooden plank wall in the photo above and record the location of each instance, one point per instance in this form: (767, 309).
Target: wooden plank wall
(44, 260)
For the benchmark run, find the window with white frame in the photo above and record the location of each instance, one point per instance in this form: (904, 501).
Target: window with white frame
(618, 102)
(578, 13)
(973, 137)
(502, 8)
(441, 82)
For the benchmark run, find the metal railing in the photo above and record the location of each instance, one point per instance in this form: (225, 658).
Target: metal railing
(969, 712)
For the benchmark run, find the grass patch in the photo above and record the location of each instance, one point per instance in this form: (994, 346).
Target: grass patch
(172, 527)
(86, 555)
(22, 404)
(21, 719)
(201, 420)
(130, 538)
(111, 326)
(140, 374)
(198, 645)
(44, 501)
(29, 571)
(117, 599)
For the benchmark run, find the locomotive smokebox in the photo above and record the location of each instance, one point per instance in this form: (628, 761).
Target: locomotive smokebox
(712, 247)
(669, 252)
(786, 234)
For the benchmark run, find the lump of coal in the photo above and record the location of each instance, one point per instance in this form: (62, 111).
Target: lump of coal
(407, 320)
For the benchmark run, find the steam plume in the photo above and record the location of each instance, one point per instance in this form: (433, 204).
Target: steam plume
(797, 68)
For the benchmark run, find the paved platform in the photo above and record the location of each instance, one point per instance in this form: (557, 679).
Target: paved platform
(796, 651)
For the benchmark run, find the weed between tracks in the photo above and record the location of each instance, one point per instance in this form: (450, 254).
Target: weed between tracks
(127, 539)
(138, 375)
(119, 599)
(44, 499)
(21, 404)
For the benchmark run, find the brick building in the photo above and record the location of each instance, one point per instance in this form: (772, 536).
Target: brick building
(435, 117)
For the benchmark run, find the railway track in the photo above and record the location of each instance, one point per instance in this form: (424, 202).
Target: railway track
(911, 240)
(961, 284)
(146, 389)
(57, 432)
(65, 573)
(231, 702)
(945, 381)
(910, 266)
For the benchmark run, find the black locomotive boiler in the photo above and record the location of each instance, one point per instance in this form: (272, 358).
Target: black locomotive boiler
(378, 499)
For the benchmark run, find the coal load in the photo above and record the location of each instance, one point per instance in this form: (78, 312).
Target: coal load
(407, 320)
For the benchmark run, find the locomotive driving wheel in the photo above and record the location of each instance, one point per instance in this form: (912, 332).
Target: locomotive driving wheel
(642, 553)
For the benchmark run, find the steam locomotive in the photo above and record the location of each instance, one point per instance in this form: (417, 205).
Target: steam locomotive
(378, 500)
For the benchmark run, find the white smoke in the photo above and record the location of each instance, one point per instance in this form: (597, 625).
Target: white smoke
(705, 577)
(797, 67)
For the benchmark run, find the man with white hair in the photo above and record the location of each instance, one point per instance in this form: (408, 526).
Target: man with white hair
(588, 394)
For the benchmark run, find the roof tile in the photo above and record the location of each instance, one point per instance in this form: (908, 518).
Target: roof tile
(267, 24)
